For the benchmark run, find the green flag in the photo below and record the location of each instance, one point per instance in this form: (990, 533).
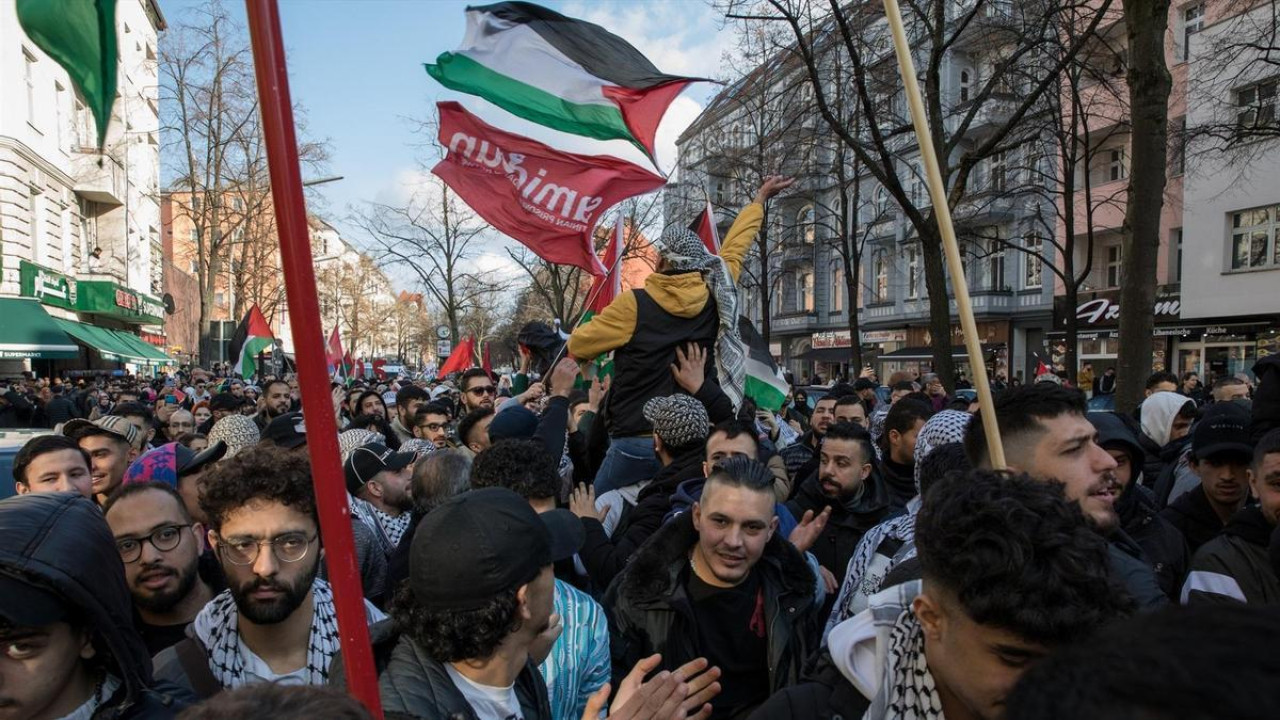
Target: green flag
(80, 35)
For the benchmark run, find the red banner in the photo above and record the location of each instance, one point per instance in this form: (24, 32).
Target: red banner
(547, 199)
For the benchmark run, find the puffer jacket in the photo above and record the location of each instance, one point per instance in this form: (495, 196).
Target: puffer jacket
(411, 684)
(61, 543)
(644, 327)
(1236, 566)
(849, 520)
(650, 610)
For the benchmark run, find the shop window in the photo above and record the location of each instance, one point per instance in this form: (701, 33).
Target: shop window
(1253, 239)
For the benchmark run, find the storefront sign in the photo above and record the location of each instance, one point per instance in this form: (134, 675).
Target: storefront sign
(103, 297)
(840, 338)
(791, 322)
(47, 286)
(153, 338)
(1102, 309)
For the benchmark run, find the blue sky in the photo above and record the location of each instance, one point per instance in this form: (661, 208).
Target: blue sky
(356, 66)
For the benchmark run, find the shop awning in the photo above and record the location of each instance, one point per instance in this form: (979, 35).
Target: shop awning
(29, 332)
(154, 355)
(826, 355)
(926, 353)
(107, 343)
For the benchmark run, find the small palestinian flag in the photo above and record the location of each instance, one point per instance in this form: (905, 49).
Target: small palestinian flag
(606, 288)
(704, 226)
(566, 74)
(252, 336)
(764, 382)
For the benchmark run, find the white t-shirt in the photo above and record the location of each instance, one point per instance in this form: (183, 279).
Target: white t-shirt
(256, 670)
(490, 703)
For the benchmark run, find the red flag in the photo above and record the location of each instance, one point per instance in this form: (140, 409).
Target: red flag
(378, 372)
(461, 359)
(359, 368)
(705, 227)
(548, 200)
(604, 288)
(333, 354)
(485, 361)
(1041, 369)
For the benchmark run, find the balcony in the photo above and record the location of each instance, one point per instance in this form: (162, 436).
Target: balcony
(994, 112)
(987, 206)
(98, 177)
(793, 323)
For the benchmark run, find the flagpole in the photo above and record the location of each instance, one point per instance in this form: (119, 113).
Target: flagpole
(942, 212)
(586, 307)
(300, 287)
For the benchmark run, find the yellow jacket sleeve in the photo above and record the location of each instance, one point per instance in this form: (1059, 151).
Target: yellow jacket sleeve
(609, 330)
(738, 242)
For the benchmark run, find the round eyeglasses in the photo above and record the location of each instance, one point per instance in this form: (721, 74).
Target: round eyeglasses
(288, 548)
(163, 539)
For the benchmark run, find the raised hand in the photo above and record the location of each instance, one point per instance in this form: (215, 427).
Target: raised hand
(689, 368)
(810, 527)
(772, 185)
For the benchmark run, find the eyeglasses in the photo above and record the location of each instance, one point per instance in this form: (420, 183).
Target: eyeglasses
(486, 390)
(288, 548)
(163, 539)
(433, 427)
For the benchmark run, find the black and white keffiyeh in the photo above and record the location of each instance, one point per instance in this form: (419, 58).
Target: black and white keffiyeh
(389, 530)
(912, 693)
(220, 621)
(683, 250)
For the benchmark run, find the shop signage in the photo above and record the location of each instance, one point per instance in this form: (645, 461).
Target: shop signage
(153, 338)
(47, 286)
(840, 338)
(103, 297)
(1102, 309)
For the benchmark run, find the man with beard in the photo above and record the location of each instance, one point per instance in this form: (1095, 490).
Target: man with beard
(844, 485)
(409, 400)
(431, 423)
(801, 456)
(478, 390)
(378, 479)
(160, 547)
(1046, 435)
(112, 442)
(276, 621)
(275, 401)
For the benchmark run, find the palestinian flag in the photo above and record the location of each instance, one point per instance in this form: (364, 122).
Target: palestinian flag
(704, 226)
(566, 74)
(80, 35)
(252, 336)
(764, 384)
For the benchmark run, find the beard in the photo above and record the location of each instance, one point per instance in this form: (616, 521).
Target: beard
(165, 600)
(270, 612)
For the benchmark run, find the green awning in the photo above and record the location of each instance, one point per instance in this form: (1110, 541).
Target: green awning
(29, 332)
(154, 355)
(108, 343)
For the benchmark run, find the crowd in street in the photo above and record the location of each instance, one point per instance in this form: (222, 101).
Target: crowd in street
(549, 544)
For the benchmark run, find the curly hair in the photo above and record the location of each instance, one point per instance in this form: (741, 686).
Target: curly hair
(258, 472)
(453, 635)
(522, 466)
(1018, 414)
(1018, 556)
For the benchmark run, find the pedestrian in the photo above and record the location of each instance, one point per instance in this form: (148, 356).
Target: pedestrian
(1166, 419)
(237, 431)
(112, 443)
(478, 390)
(691, 298)
(52, 463)
(59, 409)
(1085, 378)
(896, 466)
(378, 483)
(801, 457)
(431, 423)
(275, 401)
(1221, 454)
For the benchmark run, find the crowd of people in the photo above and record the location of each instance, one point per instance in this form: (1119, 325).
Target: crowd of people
(552, 545)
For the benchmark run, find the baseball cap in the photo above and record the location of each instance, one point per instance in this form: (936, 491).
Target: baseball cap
(679, 420)
(107, 424)
(486, 542)
(1224, 428)
(25, 605)
(513, 423)
(287, 431)
(367, 461)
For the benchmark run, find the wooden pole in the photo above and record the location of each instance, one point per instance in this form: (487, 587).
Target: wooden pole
(942, 213)
(308, 338)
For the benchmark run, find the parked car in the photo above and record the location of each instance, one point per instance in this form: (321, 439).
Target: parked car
(11, 441)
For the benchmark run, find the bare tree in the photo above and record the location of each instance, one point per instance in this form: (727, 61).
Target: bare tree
(435, 236)
(1236, 67)
(358, 296)
(967, 128)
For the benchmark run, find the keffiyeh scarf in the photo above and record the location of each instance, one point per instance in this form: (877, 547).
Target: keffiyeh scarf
(389, 530)
(221, 621)
(683, 250)
(911, 692)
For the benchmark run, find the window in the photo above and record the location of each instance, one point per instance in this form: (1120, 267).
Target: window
(966, 85)
(995, 264)
(1192, 23)
(83, 124)
(1253, 238)
(837, 286)
(59, 100)
(219, 298)
(913, 272)
(804, 288)
(1114, 265)
(1256, 106)
(1175, 265)
(881, 206)
(806, 228)
(916, 187)
(880, 276)
(194, 236)
(237, 204)
(997, 169)
(29, 75)
(1033, 263)
(1116, 169)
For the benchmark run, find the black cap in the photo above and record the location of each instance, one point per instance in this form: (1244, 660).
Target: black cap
(1224, 428)
(367, 461)
(25, 605)
(190, 461)
(287, 431)
(481, 544)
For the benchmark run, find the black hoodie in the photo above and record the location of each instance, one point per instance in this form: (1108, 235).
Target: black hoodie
(79, 563)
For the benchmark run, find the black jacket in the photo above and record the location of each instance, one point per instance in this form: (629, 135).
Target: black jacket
(411, 684)
(1194, 517)
(824, 695)
(60, 542)
(849, 521)
(16, 412)
(604, 557)
(1240, 557)
(650, 610)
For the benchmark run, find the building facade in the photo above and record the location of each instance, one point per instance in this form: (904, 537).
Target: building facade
(81, 261)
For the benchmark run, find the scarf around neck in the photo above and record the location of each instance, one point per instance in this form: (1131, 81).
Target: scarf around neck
(911, 693)
(218, 627)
